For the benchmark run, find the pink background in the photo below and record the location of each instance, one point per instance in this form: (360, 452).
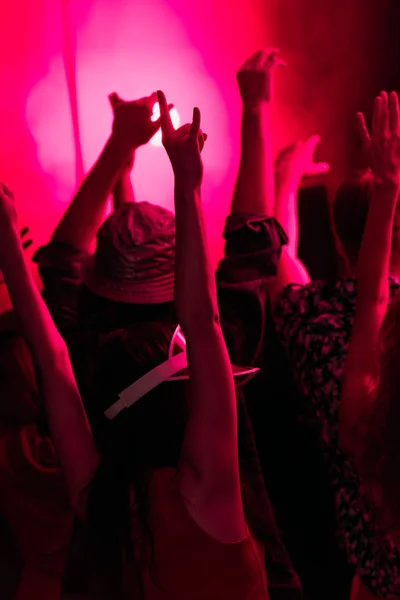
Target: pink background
(189, 48)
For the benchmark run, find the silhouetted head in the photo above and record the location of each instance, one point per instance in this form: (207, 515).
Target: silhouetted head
(148, 434)
(350, 211)
(130, 277)
(135, 256)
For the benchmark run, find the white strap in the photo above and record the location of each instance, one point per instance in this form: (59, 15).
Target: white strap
(148, 382)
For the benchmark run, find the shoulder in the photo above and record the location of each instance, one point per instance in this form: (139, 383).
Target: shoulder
(319, 300)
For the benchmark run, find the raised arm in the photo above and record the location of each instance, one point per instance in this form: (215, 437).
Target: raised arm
(123, 190)
(209, 460)
(292, 164)
(372, 269)
(67, 420)
(132, 128)
(254, 189)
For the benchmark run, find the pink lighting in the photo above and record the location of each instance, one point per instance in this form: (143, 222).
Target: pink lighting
(191, 50)
(176, 120)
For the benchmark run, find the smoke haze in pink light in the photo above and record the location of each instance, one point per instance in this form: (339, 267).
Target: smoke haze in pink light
(134, 51)
(190, 49)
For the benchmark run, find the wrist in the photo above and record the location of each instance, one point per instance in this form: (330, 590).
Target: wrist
(384, 198)
(256, 108)
(186, 188)
(9, 240)
(286, 185)
(121, 147)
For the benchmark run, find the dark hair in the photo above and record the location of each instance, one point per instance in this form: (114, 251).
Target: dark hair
(381, 460)
(350, 211)
(148, 435)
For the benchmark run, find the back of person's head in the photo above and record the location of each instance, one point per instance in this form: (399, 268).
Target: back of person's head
(130, 277)
(144, 437)
(134, 261)
(152, 428)
(18, 384)
(350, 211)
(381, 462)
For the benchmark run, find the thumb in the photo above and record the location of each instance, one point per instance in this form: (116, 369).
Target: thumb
(114, 99)
(288, 152)
(317, 169)
(311, 144)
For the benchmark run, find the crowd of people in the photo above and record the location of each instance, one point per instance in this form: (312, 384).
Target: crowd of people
(151, 447)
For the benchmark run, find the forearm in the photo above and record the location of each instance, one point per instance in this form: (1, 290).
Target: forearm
(195, 288)
(254, 189)
(372, 300)
(285, 212)
(123, 192)
(36, 322)
(85, 214)
(290, 268)
(374, 257)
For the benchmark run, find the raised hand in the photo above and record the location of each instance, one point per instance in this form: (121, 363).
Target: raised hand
(8, 212)
(115, 101)
(256, 76)
(382, 146)
(132, 120)
(183, 146)
(26, 242)
(297, 161)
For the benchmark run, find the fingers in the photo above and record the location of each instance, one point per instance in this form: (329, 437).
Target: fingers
(165, 117)
(362, 129)
(156, 110)
(384, 114)
(394, 114)
(314, 168)
(312, 143)
(376, 117)
(27, 244)
(264, 58)
(114, 99)
(258, 60)
(195, 126)
(273, 60)
(6, 190)
(318, 168)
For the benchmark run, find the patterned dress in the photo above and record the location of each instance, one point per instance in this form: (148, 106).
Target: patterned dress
(314, 325)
